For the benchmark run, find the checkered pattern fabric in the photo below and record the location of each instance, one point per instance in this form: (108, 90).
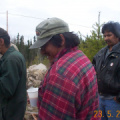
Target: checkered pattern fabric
(69, 90)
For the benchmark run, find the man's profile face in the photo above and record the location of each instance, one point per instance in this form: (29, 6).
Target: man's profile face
(50, 51)
(110, 39)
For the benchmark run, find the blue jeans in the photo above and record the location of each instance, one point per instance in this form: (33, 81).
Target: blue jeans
(109, 109)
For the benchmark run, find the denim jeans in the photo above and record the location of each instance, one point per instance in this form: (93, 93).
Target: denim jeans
(109, 109)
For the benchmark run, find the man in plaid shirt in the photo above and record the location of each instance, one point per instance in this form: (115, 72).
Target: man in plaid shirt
(69, 89)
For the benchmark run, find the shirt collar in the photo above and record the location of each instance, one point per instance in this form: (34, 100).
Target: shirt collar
(63, 52)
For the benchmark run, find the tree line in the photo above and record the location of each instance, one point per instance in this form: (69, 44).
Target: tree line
(89, 44)
(92, 43)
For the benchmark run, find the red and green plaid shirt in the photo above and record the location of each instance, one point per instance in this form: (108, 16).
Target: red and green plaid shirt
(69, 90)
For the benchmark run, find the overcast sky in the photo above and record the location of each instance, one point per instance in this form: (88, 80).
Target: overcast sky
(25, 15)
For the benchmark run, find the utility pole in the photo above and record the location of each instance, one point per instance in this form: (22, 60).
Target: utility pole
(7, 21)
(99, 18)
(99, 25)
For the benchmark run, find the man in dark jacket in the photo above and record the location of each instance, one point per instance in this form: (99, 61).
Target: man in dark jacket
(12, 80)
(107, 65)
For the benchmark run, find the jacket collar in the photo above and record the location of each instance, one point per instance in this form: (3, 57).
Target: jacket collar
(116, 48)
(10, 49)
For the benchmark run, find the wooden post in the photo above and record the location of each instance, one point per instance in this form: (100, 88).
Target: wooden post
(7, 21)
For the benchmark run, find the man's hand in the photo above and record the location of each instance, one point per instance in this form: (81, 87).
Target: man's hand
(28, 100)
(115, 98)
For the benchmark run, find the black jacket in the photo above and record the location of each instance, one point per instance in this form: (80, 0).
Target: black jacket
(108, 71)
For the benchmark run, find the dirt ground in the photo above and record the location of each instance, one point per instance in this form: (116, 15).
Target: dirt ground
(31, 113)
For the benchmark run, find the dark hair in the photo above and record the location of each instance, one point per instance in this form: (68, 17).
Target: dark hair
(71, 40)
(6, 40)
(113, 27)
(5, 36)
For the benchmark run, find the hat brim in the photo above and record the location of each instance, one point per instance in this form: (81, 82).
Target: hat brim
(40, 42)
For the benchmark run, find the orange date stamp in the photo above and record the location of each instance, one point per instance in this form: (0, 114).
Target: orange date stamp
(98, 113)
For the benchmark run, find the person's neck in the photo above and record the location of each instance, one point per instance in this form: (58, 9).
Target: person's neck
(4, 50)
(110, 48)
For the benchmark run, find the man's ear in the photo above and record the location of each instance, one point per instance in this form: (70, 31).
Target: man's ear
(1, 41)
(63, 40)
